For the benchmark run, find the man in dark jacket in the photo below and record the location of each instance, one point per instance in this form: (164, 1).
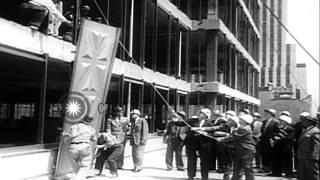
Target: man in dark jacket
(139, 134)
(224, 128)
(269, 127)
(199, 144)
(282, 146)
(174, 137)
(118, 126)
(308, 149)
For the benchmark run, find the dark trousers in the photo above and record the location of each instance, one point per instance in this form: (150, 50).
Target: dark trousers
(308, 169)
(121, 156)
(257, 157)
(33, 15)
(205, 159)
(65, 30)
(174, 146)
(266, 154)
(214, 156)
(243, 163)
(281, 162)
(224, 157)
(110, 155)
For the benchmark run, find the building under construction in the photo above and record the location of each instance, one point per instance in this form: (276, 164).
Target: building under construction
(196, 53)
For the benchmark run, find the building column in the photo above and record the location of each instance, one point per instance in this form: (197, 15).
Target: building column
(212, 9)
(42, 103)
(212, 56)
(235, 70)
(211, 100)
(230, 66)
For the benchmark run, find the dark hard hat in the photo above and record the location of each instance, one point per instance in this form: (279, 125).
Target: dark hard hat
(247, 111)
(118, 109)
(88, 119)
(85, 8)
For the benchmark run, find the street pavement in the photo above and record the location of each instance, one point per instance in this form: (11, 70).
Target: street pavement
(155, 168)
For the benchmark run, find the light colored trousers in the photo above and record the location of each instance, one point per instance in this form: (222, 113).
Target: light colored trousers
(137, 155)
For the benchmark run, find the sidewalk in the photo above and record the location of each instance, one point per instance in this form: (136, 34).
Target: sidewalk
(155, 168)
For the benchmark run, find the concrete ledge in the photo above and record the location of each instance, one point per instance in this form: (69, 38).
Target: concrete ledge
(247, 13)
(135, 72)
(34, 44)
(223, 89)
(171, 9)
(23, 38)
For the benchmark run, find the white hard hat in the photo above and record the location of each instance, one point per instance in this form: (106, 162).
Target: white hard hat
(135, 111)
(247, 118)
(286, 119)
(256, 114)
(233, 118)
(206, 112)
(230, 112)
(305, 114)
(286, 113)
(271, 111)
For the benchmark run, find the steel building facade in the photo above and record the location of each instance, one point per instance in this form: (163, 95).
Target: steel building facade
(196, 53)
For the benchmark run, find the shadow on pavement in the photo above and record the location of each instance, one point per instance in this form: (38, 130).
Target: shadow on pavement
(155, 168)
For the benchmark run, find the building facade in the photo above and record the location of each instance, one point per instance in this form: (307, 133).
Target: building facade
(290, 65)
(301, 81)
(273, 64)
(192, 54)
(225, 54)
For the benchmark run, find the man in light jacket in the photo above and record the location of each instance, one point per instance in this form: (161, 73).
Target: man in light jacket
(139, 134)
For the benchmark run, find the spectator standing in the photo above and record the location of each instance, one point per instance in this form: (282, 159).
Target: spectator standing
(269, 127)
(118, 126)
(256, 132)
(308, 149)
(298, 128)
(139, 134)
(217, 119)
(282, 146)
(174, 137)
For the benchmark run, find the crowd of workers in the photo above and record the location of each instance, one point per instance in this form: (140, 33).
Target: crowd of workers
(225, 142)
(228, 142)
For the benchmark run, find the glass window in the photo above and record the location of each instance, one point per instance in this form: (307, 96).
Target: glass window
(149, 35)
(174, 47)
(20, 86)
(163, 36)
(58, 83)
